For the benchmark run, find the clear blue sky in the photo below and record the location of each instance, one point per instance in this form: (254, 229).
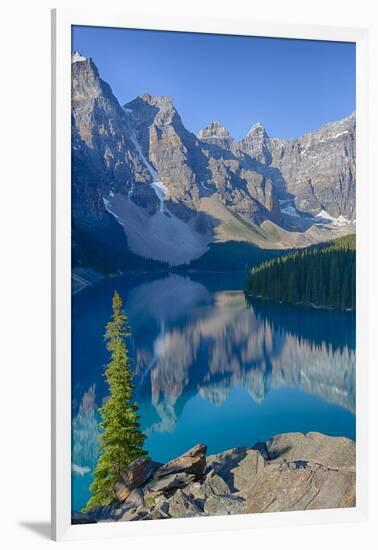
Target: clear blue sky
(291, 86)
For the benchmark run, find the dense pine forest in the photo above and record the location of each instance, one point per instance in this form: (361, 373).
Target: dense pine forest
(322, 276)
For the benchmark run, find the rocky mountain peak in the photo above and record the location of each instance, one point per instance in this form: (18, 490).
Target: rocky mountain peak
(162, 102)
(216, 134)
(213, 131)
(258, 129)
(256, 143)
(76, 57)
(148, 109)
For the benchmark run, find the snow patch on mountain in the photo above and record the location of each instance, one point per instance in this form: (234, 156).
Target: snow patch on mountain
(160, 237)
(147, 164)
(160, 191)
(340, 220)
(76, 57)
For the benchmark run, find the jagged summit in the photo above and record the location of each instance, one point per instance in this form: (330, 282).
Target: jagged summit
(257, 128)
(214, 130)
(76, 56)
(160, 101)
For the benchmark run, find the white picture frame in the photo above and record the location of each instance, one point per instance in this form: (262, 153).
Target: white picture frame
(62, 21)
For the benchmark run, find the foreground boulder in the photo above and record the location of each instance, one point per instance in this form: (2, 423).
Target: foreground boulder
(167, 483)
(191, 462)
(180, 505)
(135, 475)
(236, 467)
(290, 486)
(335, 452)
(224, 505)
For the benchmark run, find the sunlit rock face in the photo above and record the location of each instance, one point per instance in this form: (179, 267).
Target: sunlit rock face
(319, 168)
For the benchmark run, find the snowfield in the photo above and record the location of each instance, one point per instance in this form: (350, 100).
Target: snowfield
(163, 236)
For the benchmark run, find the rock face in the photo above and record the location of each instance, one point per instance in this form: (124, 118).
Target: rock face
(291, 471)
(300, 485)
(320, 168)
(135, 475)
(192, 462)
(333, 452)
(144, 187)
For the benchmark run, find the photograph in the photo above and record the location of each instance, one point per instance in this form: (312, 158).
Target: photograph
(213, 253)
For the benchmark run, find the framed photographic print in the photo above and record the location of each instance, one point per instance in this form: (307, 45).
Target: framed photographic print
(210, 193)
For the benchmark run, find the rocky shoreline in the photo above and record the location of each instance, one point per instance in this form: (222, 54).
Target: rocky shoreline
(291, 471)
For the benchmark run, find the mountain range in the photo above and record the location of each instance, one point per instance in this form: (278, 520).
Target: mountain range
(148, 192)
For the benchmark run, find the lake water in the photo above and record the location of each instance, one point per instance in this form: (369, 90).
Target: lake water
(210, 367)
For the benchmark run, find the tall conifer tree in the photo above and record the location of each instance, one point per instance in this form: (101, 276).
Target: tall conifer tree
(121, 439)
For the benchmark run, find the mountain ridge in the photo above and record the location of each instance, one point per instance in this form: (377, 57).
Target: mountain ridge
(172, 193)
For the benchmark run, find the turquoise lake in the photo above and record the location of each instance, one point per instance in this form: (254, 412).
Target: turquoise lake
(210, 367)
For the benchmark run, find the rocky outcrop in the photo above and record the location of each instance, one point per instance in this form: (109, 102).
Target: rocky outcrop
(135, 475)
(216, 134)
(192, 462)
(319, 168)
(292, 471)
(334, 452)
(300, 485)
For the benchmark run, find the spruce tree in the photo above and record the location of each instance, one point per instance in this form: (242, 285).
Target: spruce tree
(121, 440)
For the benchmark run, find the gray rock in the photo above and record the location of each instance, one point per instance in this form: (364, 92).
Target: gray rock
(156, 514)
(135, 514)
(248, 467)
(335, 452)
(181, 506)
(280, 487)
(192, 461)
(224, 461)
(101, 513)
(224, 505)
(215, 485)
(134, 475)
(135, 498)
(211, 485)
(169, 482)
(236, 466)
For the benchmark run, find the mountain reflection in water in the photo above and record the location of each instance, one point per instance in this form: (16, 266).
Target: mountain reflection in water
(211, 367)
